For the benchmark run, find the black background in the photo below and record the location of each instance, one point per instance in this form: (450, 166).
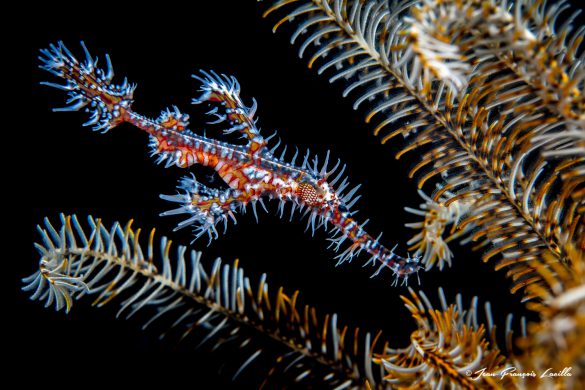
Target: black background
(62, 167)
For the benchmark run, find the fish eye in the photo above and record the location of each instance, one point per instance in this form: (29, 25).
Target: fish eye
(308, 194)
(342, 208)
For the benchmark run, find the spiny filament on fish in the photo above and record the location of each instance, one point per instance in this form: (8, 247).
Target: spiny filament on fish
(252, 171)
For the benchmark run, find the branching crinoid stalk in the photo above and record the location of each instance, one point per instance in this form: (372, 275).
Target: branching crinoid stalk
(489, 93)
(555, 346)
(219, 303)
(450, 348)
(430, 240)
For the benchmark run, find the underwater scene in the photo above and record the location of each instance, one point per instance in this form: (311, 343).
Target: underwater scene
(305, 194)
